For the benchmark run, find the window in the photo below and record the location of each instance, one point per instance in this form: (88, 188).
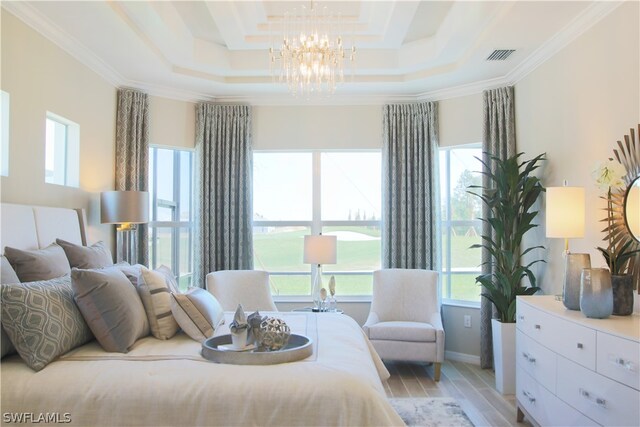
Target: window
(461, 227)
(4, 147)
(300, 193)
(62, 151)
(171, 239)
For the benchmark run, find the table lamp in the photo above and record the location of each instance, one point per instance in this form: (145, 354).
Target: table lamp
(319, 250)
(565, 218)
(127, 209)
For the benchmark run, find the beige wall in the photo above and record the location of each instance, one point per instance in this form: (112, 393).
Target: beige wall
(575, 107)
(171, 123)
(330, 127)
(40, 77)
(460, 120)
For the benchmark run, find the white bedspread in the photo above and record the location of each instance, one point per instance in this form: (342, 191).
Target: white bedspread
(169, 383)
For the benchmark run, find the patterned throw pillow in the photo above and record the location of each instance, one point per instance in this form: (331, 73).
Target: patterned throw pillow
(156, 298)
(94, 256)
(7, 275)
(42, 320)
(197, 312)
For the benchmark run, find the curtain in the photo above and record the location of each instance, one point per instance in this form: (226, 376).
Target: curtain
(410, 198)
(499, 140)
(132, 154)
(224, 212)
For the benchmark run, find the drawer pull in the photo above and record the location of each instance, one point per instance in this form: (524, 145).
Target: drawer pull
(580, 345)
(537, 326)
(597, 400)
(622, 363)
(528, 357)
(521, 317)
(529, 396)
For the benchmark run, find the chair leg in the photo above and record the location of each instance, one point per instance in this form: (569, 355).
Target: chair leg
(436, 375)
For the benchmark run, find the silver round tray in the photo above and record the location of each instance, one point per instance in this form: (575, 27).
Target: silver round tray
(298, 348)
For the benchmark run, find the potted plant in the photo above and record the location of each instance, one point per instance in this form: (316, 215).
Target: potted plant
(510, 195)
(619, 253)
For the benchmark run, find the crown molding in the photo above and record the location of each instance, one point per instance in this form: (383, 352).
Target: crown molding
(43, 25)
(593, 14)
(579, 25)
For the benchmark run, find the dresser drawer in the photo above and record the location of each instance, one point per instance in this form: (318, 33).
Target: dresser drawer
(537, 360)
(619, 359)
(544, 407)
(599, 398)
(569, 339)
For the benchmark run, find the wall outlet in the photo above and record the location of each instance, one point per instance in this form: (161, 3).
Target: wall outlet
(467, 321)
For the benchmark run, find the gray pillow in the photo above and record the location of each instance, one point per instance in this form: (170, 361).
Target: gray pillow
(156, 297)
(7, 275)
(39, 264)
(111, 307)
(42, 320)
(197, 312)
(94, 256)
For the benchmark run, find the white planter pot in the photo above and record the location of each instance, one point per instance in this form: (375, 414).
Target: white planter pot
(504, 356)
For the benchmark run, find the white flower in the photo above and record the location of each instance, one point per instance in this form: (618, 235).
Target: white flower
(609, 174)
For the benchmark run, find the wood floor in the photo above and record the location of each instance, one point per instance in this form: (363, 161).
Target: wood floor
(472, 387)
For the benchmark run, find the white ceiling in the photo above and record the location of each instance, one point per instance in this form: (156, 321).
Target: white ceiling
(218, 49)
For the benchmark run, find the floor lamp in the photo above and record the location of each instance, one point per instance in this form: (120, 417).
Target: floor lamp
(319, 250)
(127, 209)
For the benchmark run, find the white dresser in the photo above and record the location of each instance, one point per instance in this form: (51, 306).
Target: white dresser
(575, 371)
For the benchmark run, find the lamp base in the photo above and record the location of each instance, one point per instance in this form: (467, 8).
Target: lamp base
(127, 244)
(574, 263)
(318, 304)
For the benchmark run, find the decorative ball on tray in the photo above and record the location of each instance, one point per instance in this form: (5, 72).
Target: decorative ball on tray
(274, 333)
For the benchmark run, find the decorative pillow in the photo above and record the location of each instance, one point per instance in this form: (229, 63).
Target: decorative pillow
(197, 312)
(110, 306)
(38, 265)
(156, 298)
(7, 273)
(94, 256)
(42, 320)
(169, 278)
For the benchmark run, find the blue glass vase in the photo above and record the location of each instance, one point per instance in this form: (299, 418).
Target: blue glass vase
(596, 294)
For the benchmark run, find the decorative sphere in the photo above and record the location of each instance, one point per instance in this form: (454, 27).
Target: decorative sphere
(274, 333)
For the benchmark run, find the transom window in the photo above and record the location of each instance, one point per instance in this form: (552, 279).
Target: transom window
(171, 240)
(300, 193)
(460, 226)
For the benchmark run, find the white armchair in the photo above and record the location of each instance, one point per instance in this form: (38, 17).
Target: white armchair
(247, 287)
(405, 322)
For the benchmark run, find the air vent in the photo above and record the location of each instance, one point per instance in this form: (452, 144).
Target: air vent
(500, 54)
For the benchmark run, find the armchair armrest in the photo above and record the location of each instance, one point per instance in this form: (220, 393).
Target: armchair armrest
(436, 322)
(371, 320)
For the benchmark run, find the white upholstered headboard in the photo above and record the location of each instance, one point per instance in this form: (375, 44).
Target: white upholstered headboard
(35, 227)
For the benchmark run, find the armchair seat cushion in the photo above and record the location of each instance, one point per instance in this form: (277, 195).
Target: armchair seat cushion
(402, 331)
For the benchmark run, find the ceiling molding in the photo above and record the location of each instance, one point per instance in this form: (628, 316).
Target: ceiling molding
(578, 26)
(40, 23)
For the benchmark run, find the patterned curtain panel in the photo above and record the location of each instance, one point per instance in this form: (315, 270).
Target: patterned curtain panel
(224, 211)
(499, 140)
(410, 197)
(132, 153)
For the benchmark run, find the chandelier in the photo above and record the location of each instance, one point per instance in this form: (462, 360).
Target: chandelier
(311, 58)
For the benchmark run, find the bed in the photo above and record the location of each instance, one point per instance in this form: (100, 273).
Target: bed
(169, 383)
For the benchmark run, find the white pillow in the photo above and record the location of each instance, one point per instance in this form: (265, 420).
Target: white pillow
(156, 298)
(197, 312)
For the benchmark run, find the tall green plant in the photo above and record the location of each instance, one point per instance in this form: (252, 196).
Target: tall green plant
(510, 196)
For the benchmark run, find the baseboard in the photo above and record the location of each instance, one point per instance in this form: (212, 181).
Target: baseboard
(462, 357)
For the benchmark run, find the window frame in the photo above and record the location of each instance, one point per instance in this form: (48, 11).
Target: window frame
(5, 113)
(176, 225)
(447, 223)
(316, 224)
(71, 151)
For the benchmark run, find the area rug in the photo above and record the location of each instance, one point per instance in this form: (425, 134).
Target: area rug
(432, 412)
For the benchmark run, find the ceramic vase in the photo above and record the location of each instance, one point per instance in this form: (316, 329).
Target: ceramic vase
(596, 294)
(574, 264)
(622, 294)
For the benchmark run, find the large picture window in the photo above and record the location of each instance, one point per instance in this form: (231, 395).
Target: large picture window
(171, 239)
(333, 193)
(461, 227)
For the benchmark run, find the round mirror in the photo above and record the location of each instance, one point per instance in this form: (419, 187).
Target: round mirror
(632, 209)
